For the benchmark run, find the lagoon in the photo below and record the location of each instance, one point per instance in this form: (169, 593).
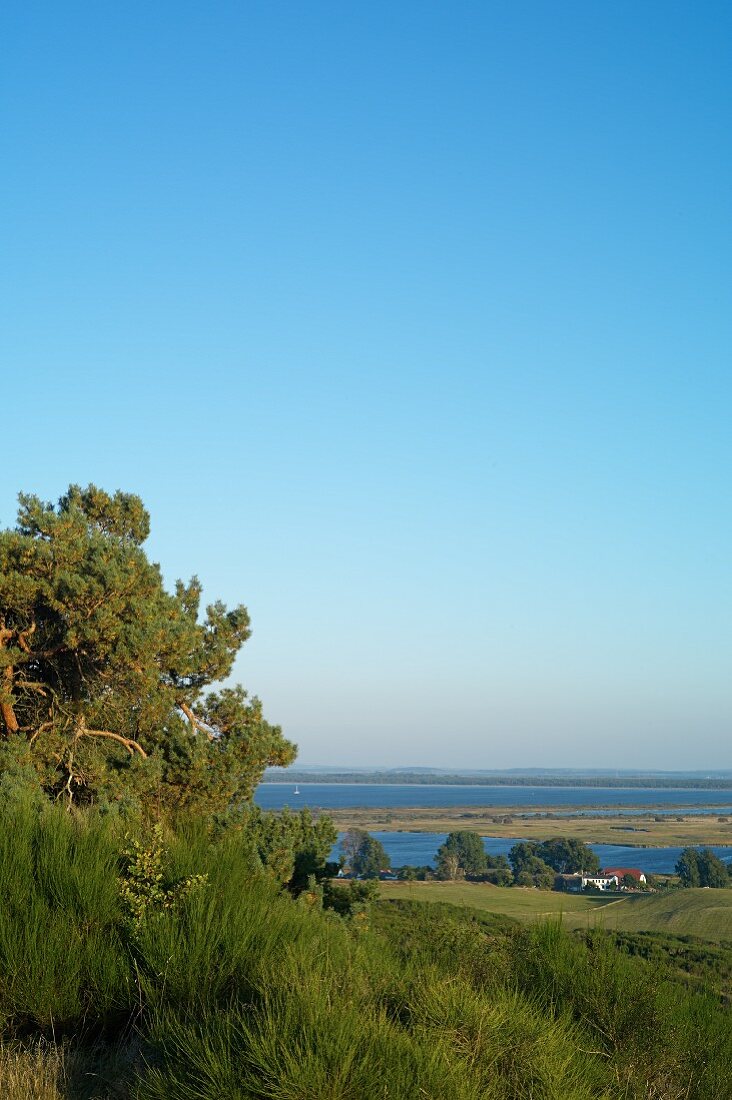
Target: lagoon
(419, 850)
(332, 796)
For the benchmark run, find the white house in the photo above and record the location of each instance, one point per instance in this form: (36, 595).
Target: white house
(577, 882)
(600, 882)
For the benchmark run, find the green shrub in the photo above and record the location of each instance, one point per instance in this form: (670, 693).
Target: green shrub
(144, 888)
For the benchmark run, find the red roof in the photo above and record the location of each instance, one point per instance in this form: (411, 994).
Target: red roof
(620, 871)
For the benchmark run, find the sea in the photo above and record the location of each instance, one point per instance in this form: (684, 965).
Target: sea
(419, 848)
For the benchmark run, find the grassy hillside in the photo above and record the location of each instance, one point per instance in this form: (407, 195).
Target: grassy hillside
(703, 913)
(520, 903)
(146, 968)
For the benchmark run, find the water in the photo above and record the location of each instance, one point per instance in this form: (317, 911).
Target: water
(332, 796)
(419, 850)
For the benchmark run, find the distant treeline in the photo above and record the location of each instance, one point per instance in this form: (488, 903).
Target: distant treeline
(276, 775)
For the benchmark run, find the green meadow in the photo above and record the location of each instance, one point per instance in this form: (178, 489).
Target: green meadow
(703, 913)
(518, 903)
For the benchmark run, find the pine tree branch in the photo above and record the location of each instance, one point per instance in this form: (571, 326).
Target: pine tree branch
(23, 638)
(31, 685)
(37, 732)
(131, 746)
(196, 722)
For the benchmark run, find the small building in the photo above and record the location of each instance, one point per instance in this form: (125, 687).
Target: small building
(603, 881)
(620, 873)
(577, 882)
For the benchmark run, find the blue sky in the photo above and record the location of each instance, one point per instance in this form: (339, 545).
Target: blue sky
(410, 325)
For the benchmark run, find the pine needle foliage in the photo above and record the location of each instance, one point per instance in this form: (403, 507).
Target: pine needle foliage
(107, 680)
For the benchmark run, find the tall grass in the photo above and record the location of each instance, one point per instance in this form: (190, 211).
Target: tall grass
(45, 1070)
(230, 989)
(36, 1072)
(659, 1040)
(62, 960)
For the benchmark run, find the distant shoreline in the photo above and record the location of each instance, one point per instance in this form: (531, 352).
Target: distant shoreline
(624, 782)
(519, 823)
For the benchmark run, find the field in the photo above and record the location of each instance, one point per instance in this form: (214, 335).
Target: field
(703, 913)
(521, 903)
(642, 831)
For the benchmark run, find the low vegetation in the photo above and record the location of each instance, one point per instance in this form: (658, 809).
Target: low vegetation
(644, 828)
(519, 903)
(178, 965)
(701, 913)
(695, 912)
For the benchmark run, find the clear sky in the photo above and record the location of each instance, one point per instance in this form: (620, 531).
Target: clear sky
(411, 325)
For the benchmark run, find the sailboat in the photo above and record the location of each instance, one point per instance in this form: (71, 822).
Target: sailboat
(297, 789)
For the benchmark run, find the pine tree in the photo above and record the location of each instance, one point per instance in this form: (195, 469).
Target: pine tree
(106, 679)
